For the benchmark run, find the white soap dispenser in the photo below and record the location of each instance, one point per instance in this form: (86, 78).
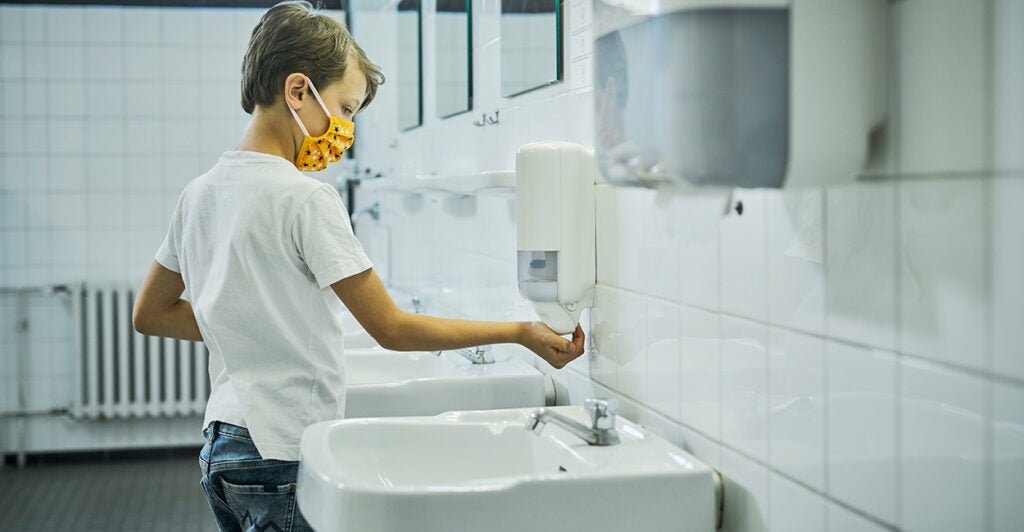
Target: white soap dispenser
(555, 232)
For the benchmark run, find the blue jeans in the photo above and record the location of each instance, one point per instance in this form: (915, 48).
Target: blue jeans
(245, 491)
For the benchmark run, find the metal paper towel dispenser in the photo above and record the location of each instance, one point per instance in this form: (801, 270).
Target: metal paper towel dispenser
(738, 93)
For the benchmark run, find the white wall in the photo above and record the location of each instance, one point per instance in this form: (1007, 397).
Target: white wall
(107, 112)
(849, 358)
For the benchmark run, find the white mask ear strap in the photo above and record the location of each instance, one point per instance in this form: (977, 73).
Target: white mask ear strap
(317, 94)
(302, 127)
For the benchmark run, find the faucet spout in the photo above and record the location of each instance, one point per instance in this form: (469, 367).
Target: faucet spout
(476, 355)
(601, 432)
(372, 210)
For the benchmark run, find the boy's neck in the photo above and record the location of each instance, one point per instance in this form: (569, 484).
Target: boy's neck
(269, 133)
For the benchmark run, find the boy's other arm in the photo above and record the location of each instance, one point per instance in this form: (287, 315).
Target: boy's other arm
(371, 304)
(159, 309)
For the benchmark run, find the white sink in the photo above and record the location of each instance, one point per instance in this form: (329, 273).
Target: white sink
(468, 471)
(381, 383)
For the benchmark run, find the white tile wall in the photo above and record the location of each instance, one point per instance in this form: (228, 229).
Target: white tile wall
(659, 254)
(700, 370)
(861, 434)
(604, 339)
(796, 259)
(942, 449)
(630, 353)
(861, 264)
(796, 406)
(746, 487)
(630, 262)
(744, 362)
(843, 520)
(1007, 457)
(1007, 263)
(794, 508)
(942, 272)
(663, 360)
(1007, 74)
(697, 219)
(743, 281)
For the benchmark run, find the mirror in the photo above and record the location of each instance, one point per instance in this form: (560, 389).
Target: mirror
(410, 65)
(454, 33)
(531, 45)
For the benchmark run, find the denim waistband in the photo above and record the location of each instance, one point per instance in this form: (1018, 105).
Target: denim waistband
(220, 427)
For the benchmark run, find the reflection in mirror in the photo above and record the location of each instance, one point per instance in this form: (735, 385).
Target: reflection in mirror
(410, 65)
(531, 45)
(453, 35)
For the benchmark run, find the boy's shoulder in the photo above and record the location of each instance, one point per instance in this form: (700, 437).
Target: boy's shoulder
(268, 172)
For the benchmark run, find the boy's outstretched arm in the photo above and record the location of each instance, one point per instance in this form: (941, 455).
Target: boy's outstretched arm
(159, 309)
(371, 304)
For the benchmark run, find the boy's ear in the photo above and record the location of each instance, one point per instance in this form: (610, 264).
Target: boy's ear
(295, 87)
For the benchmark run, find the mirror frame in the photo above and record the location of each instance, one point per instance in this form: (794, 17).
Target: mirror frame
(419, 65)
(469, 62)
(559, 55)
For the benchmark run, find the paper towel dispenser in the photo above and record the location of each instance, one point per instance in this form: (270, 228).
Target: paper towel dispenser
(740, 93)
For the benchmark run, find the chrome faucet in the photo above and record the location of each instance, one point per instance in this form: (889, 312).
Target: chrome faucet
(372, 210)
(478, 355)
(602, 422)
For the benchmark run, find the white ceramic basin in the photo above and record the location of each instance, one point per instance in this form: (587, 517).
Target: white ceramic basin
(382, 383)
(469, 471)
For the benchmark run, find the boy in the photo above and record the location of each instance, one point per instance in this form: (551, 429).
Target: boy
(255, 245)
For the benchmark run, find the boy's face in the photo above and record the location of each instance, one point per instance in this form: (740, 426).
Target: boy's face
(342, 98)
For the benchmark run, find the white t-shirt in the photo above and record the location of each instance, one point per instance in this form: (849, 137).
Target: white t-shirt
(258, 245)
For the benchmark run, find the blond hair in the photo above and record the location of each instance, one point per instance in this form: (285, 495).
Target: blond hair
(294, 37)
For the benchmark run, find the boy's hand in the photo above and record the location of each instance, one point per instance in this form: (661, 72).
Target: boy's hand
(548, 345)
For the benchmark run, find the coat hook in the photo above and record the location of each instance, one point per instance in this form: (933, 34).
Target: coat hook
(488, 120)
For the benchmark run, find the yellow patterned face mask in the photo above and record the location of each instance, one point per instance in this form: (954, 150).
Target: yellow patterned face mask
(316, 152)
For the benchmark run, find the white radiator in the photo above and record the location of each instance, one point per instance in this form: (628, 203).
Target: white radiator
(122, 373)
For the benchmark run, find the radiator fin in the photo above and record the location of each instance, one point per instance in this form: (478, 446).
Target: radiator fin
(125, 374)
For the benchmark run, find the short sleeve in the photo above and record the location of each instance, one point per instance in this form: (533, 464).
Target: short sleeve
(167, 254)
(324, 239)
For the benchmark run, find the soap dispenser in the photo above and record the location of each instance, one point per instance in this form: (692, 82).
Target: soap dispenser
(555, 232)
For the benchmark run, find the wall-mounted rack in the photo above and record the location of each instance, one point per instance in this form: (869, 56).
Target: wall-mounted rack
(493, 183)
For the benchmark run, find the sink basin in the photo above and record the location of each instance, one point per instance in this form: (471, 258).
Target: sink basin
(484, 471)
(381, 383)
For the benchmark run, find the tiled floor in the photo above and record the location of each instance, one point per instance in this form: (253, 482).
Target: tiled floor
(129, 495)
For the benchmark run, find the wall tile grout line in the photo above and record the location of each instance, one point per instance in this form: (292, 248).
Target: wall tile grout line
(988, 226)
(898, 256)
(826, 399)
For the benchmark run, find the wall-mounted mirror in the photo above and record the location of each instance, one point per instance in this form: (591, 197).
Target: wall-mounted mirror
(531, 45)
(410, 65)
(453, 38)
